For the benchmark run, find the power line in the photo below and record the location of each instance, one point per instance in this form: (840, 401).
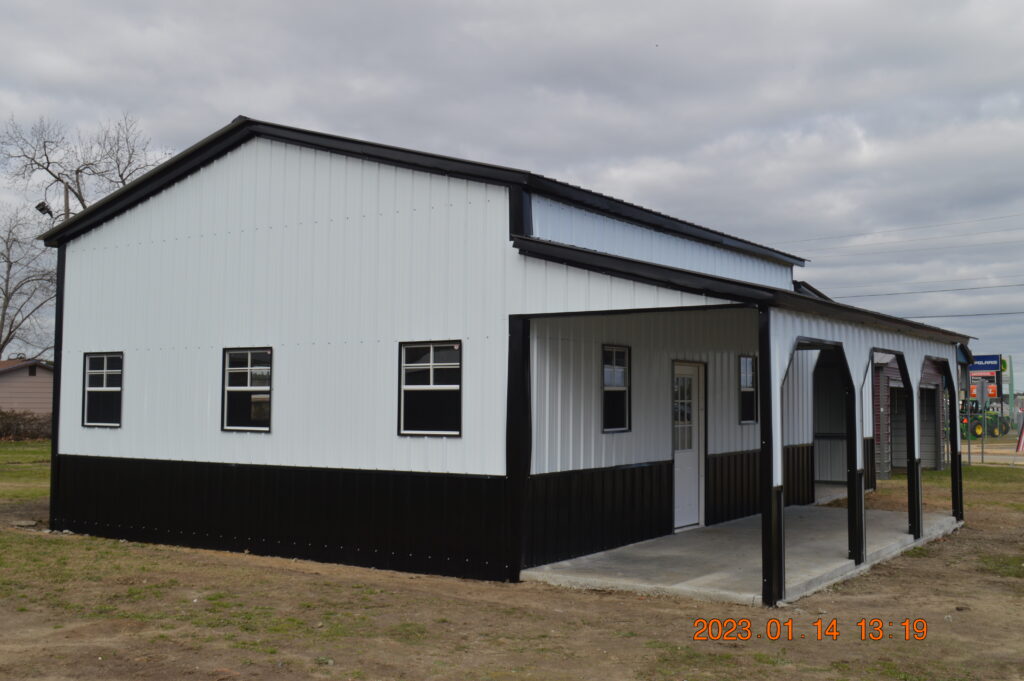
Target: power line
(918, 250)
(933, 290)
(975, 314)
(931, 281)
(904, 229)
(924, 238)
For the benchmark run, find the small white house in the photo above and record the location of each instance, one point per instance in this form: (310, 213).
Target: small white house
(306, 345)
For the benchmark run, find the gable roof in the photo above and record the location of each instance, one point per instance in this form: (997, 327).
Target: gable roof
(243, 129)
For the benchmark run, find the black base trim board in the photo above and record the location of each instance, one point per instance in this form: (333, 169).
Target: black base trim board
(798, 474)
(575, 513)
(417, 522)
(731, 482)
(730, 486)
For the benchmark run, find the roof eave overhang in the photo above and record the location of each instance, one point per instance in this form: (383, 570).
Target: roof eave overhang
(729, 289)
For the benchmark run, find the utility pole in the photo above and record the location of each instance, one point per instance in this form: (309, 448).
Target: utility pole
(1013, 395)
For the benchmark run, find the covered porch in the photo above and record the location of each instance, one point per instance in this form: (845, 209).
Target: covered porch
(723, 562)
(722, 417)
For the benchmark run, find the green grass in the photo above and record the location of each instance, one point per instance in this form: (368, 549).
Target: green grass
(1003, 565)
(672, 660)
(978, 475)
(28, 451)
(24, 470)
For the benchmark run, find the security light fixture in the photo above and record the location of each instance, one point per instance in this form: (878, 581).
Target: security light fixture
(44, 208)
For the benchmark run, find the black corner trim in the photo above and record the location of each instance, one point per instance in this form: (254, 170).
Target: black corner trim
(58, 348)
(520, 207)
(518, 441)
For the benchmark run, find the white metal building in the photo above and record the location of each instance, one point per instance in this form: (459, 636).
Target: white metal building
(301, 344)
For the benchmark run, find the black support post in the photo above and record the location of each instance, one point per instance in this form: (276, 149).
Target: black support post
(915, 511)
(773, 560)
(856, 535)
(518, 429)
(956, 471)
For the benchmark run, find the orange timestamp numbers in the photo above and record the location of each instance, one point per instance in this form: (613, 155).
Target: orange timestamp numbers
(742, 629)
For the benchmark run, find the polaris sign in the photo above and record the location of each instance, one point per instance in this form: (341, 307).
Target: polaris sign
(986, 363)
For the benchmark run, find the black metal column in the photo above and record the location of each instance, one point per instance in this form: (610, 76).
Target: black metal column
(956, 471)
(915, 510)
(773, 559)
(518, 441)
(856, 534)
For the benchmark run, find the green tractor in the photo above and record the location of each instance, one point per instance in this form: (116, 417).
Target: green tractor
(976, 424)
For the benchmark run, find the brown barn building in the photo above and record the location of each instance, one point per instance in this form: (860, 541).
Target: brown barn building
(26, 385)
(890, 440)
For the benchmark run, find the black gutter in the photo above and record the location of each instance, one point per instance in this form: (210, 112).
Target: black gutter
(242, 129)
(720, 287)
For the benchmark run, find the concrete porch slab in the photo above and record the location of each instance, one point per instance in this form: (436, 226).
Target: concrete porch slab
(723, 562)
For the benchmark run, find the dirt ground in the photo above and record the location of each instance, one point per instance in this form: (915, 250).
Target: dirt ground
(79, 607)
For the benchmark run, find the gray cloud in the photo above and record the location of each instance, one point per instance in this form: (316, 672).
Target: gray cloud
(777, 121)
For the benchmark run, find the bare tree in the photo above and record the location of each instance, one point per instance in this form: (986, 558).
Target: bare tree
(27, 284)
(48, 158)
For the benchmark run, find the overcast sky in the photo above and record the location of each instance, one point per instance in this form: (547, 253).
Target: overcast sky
(882, 140)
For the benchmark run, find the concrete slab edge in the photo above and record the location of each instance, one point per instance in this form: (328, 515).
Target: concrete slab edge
(890, 552)
(612, 584)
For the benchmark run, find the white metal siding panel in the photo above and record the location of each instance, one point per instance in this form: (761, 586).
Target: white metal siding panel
(556, 221)
(797, 399)
(332, 261)
(566, 384)
(858, 340)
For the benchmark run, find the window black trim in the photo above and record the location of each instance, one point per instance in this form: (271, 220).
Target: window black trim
(629, 388)
(401, 387)
(85, 391)
(741, 389)
(223, 389)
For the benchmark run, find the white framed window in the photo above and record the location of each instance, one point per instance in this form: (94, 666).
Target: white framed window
(246, 393)
(430, 388)
(102, 383)
(748, 389)
(615, 403)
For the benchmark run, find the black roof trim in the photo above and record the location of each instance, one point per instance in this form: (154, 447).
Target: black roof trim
(808, 290)
(729, 289)
(243, 129)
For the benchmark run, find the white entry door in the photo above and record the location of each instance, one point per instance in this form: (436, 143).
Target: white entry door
(687, 440)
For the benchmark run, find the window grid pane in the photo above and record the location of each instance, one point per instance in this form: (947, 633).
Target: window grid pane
(102, 397)
(247, 384)
(615, 387)
(431, 388)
